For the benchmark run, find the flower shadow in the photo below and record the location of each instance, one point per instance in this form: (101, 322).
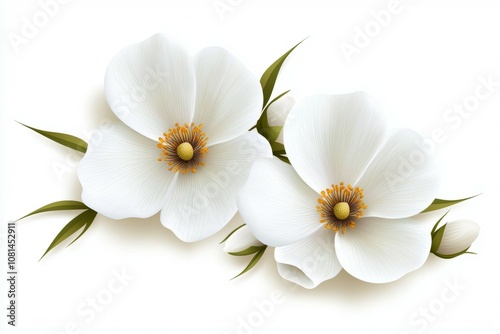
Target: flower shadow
(145, 233)
(351, 291)
(99, 110)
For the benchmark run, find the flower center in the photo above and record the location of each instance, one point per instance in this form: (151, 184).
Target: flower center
(340, 206)
(341, 210)
(185, 151)
(183, 148)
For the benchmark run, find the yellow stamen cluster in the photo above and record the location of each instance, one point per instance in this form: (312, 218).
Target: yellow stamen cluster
(183, 147)
(339, 206)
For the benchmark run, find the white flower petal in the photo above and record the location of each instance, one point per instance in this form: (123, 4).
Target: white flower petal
(401, 180)
(201, 204)
(228, 96)
(309, 261)
(121, 175)
(241, 240)
(277, 206)
(458, 236)
(150, 86)
(383, 250)
(331, 138)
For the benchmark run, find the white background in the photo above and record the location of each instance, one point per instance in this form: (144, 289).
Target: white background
(427, 59)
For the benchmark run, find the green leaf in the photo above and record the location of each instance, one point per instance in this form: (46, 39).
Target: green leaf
(58, 206)
(443, 203)
(277, 147)
(230, 234)
(451, 256)
(253, 262)
(263, 122)
(248, 251)
(269, 77)
(84, 219)
(436, 225)
(283, 158)
(84, 229)
(272, 133)
(64, 139)
(275, 131)
(437, 238)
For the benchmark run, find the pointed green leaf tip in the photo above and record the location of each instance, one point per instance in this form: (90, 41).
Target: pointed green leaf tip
(443, 203)
(257, 250)
(70, 141)
(253, 262)
(230, 234)
(437, 235)
(248, 251)
(58, 206)
(283, 158)
(84, 219)
(269, 77)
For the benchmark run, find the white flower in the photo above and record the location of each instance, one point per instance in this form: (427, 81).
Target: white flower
(347, 203)
(458, 236)
(184, 149)
(278, 112)
(240, 240)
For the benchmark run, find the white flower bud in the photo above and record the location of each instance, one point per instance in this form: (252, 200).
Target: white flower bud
(458, 236)
(240, 240)
(278, 112)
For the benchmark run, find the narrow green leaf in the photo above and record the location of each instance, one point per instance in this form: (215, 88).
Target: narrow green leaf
(263, 121)
(283, 158)
(277, 147)
(275, 132)
(436, 225)
(252, 263)
(437, 238)
(451, 256)
(269, 77)
(271, 133)
(64, 139)
(248, 251)
(443, 203)
(279, 152)
(84, 229)
(58, 206)
(84, 219)
(230, 234)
